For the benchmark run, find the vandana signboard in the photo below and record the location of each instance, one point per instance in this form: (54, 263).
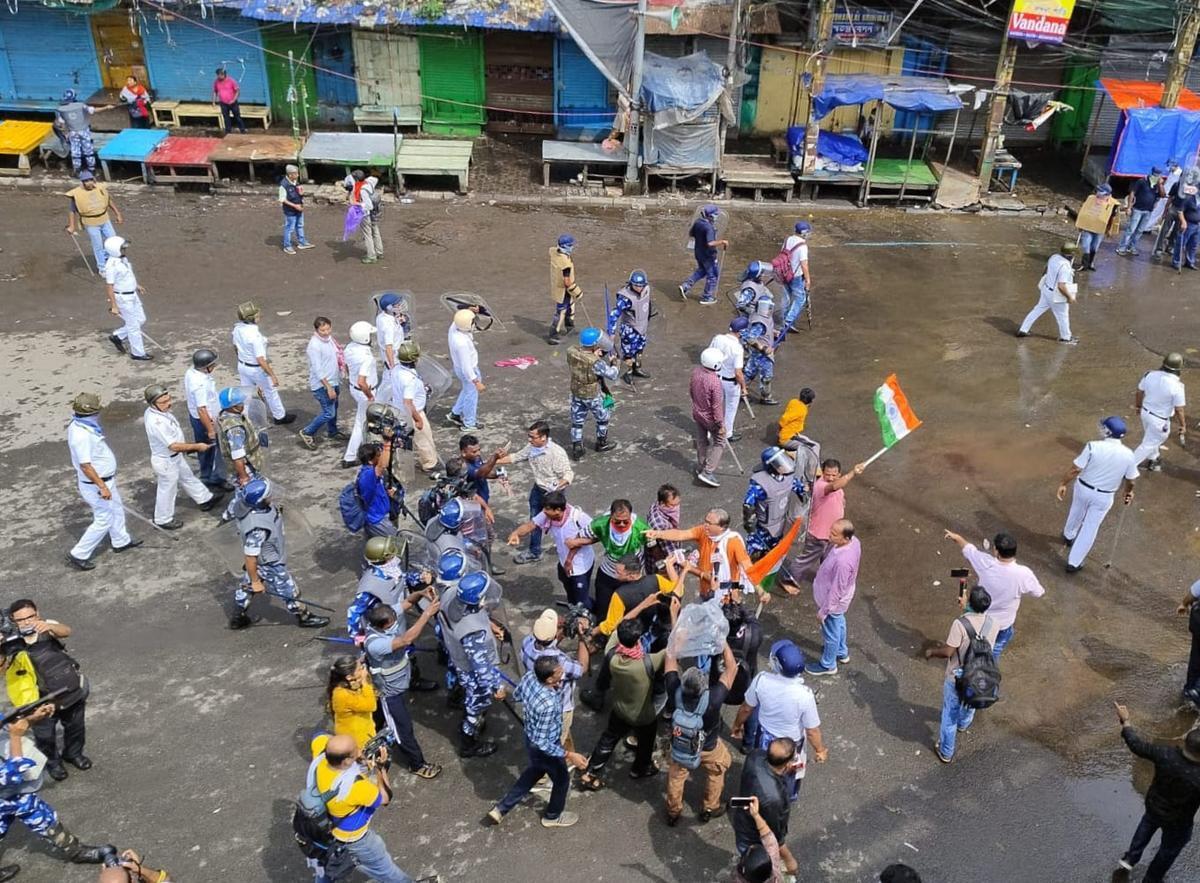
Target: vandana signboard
(1040, 21)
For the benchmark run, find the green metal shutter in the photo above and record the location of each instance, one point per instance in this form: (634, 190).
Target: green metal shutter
(452, 84)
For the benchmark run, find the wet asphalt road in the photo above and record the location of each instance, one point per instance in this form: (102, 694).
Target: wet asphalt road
(199, 734)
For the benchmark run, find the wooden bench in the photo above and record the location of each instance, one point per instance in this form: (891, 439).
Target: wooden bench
(20, 139)
(173, 114)
(757, 173)
(378, 116)
(259, 113)
(431, 156)
(131, 146)
(163, 113)
(196, 110)
(582, 153)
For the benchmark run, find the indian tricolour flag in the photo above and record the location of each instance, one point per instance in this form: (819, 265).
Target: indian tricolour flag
(896, 418)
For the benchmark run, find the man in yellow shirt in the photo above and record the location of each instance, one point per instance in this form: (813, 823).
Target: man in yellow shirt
(90, 205)
(337, 767)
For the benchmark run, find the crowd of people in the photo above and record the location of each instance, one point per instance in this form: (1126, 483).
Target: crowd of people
(659, 627)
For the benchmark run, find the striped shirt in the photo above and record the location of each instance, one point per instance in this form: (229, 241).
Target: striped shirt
(543, 715)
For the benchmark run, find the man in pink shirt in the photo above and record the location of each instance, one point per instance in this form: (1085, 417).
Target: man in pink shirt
(225, 93)
(833, 590)
(708, 412)
(828, 505)
(1005, 580)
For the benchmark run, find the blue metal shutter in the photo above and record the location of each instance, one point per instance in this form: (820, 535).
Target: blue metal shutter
(182, 58)
(581, 92)
(46, 51)
(333, 55)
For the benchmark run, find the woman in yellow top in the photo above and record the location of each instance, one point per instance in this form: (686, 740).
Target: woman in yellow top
(351, 699)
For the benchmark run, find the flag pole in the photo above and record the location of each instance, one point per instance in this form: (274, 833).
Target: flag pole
(875, 456)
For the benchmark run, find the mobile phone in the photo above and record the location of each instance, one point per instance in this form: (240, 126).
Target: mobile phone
(739, 802)
(960, 573)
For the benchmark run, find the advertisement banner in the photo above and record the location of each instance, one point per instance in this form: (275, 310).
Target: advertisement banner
(862, 27)
(1040, 21)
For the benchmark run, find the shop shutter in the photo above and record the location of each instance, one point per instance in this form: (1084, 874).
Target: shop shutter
(519, 74)
(43, 52)
(452, 89)
(182, 58)
(583, 100)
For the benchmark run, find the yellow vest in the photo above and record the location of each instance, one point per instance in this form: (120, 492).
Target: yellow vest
(558, 263)
(92, 205)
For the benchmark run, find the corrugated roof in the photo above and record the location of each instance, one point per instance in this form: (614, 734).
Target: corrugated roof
(513, 15)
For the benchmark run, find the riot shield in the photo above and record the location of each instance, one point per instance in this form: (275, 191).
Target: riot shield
(720, 222)
(224, 540)
(438, 381)
(466, 300)
(402, 311)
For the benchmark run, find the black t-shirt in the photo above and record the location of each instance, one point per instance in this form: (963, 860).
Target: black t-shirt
(712, 714)
(1145, 195)
(774, 799)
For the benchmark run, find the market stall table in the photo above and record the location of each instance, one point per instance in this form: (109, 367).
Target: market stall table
(19, 139)
(250, 149)
(131, 146)
(432, 156)
(183, 160)
(351, 150)
(582, 153)
(756, 173)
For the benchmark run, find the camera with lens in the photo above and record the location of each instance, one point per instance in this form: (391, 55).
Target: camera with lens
(109, 857)
(388, 421)
(573, 616)
(375, 750)
(10, 635)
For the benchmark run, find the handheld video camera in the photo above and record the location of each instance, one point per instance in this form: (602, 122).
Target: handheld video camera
(10, 636)
(575, 614)
(373, 750)
(387, 420)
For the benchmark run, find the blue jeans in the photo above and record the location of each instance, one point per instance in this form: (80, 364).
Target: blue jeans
(955, 717)
(535, 506)
(1185, 246)
(293, 224)
(327, 415)
(540, 764)
(212, 465)
(467, 403)
(1175, 837)
(1089, 243)
(97, 235)
(798, 297)
(371, 856)
(833, 629)
(709, 271)
(1138, 219)
(1002, 639)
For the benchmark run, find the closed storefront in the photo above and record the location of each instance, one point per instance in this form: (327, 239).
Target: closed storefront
(43, 52)
(452, 87)
(388, 70)
(519, 75)
(333, 54)
(291, 80)
(118, 48)
(583, 100)
(182, 58)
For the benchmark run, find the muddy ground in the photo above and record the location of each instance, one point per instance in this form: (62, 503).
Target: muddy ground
(199, 734)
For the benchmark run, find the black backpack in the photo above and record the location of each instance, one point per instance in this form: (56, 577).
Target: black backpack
(979, 683)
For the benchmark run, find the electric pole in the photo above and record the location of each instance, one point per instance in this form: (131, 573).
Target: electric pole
(1185, 45)
(995, 120)
(821, 36)
(633, 135)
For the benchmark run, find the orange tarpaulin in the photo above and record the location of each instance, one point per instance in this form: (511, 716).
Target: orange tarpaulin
(1136, 93)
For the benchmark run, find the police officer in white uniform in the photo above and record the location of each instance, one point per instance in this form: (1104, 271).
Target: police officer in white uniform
(411, 395)
(253, 367)
(733, 381)
(1057, 291)
(1160, 397)
(203, 408)
(167, 449)
(96, 471)
(1098, 472)
(364, 378)
(389, 331)
(124, 300)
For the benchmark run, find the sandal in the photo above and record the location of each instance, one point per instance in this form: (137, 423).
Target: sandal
(588, 782)
(429, 771)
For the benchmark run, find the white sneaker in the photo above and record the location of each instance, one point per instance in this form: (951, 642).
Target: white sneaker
(1124, 865)
(566, 820)
(495, 816)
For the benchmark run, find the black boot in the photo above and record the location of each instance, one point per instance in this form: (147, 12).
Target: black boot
(764, 394)
(577, 451)
(471, 746)
(74, 851)
(603, 444)
(242, 620)
(307, 620)
(637, 370)
(8, 872)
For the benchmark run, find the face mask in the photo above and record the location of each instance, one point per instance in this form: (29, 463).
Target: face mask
(620, 536)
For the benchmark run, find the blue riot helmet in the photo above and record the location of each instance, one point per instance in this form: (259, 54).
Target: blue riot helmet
(709, 211)
(740, 324)
(777, 461)
(451, 516)
(755, 271)
(257, 492)
(1113, 427)
(230, 396)
(68, 96)
(589, 336)
(803, 228)
(388, 301)
(451, 565)
(472, 588)
(566, 243)
(638, 278)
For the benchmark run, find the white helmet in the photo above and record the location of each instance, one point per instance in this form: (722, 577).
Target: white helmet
(464, 320)
(712, 358)
(360, 332)
(113, 245)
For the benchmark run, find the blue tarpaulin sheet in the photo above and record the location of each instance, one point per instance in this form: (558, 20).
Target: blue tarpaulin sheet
(1149, 136)
(918, 94)
(690, 83)
(846, 150)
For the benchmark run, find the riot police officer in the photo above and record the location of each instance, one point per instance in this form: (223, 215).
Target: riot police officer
(590, 364)
(470, 641)
(241, 443)
(260, 525)
(772, 502)
(631, 319)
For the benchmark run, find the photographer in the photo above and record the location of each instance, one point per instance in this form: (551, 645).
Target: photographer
(377, 493)
(547, 632)
(339, 768)
(131, 870)
(54, 669)
(20, 780)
